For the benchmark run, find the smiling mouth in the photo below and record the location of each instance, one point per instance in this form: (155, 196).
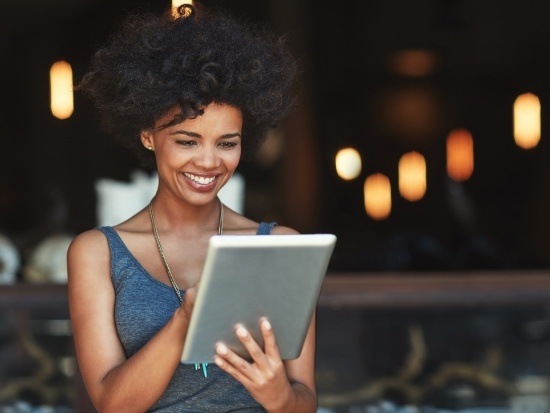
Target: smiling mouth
(201, 180)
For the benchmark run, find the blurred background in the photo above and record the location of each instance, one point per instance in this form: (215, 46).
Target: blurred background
(440, 106)
(386, 78)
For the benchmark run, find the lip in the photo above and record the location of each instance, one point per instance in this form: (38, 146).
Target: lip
(193, 181)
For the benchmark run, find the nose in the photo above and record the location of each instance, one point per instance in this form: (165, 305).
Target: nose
(207, 157)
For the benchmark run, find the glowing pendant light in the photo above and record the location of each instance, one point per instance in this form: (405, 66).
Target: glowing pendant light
(460, 154)
(178, 3)
(348, 163)
(412, 176)
(377, 196)
(527, 121)
(61, 90)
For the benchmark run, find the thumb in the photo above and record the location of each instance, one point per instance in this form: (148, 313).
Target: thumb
(189, 298)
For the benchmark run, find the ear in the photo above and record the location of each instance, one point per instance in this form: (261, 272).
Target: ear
(146, 137)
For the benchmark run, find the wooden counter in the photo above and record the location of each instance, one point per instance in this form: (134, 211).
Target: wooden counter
(435, 289)
(369, 290)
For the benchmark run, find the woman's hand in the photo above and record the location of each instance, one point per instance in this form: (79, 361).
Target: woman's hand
(264, 376)
(189, 300)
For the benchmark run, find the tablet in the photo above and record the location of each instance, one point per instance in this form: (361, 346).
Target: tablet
(247, 277)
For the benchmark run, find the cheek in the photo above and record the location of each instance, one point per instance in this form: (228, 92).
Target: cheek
(166, 158)
(233, 160)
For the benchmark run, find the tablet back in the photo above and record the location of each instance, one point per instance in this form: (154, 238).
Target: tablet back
(246, 278)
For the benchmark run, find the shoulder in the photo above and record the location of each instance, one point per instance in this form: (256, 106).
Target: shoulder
(88, 257)
(91, 243)
(239, 224)
(91, 238)
(235, 223)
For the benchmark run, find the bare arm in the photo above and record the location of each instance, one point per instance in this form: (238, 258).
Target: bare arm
(301, 374)
(113, 382)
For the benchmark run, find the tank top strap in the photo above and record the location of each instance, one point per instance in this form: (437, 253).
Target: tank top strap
(112, 237)
(120, 256)
(265, 228)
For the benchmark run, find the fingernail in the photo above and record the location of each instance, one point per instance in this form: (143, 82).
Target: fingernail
(221, 349)
(241, 332)
(218, 361)
(267, 325)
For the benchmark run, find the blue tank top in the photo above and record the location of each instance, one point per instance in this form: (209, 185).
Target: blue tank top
(143, 305)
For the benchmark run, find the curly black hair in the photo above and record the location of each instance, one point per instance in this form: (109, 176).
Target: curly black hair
(154, 63)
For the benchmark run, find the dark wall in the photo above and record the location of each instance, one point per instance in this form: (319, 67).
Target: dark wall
(488, 53)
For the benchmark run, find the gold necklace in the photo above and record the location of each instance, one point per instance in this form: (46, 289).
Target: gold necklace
(159, 246)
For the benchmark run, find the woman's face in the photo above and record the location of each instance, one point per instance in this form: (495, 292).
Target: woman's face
(196, 157)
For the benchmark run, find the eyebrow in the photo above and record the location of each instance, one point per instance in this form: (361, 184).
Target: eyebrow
(198, 135)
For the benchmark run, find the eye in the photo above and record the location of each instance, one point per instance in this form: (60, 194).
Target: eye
(186, 143)
(227, 144)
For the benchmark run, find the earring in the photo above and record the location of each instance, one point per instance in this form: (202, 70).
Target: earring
(150, 147)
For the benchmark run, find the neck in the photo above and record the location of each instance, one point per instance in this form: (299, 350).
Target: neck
(174, 217)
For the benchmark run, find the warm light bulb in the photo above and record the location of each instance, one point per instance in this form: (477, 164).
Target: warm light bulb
(527, 121)
(178, 3)
(348, 163)
(61, 90)
(377, 196)
(460, 154)
(412, 176)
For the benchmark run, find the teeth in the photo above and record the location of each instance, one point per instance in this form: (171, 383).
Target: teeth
(200, 179)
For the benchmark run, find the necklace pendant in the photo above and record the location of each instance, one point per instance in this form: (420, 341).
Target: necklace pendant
(198, 366)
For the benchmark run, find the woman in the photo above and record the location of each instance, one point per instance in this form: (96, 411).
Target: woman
(186, 94)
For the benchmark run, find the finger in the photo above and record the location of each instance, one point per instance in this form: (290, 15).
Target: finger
(270, 343)
(253, 348)
(231, 363)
